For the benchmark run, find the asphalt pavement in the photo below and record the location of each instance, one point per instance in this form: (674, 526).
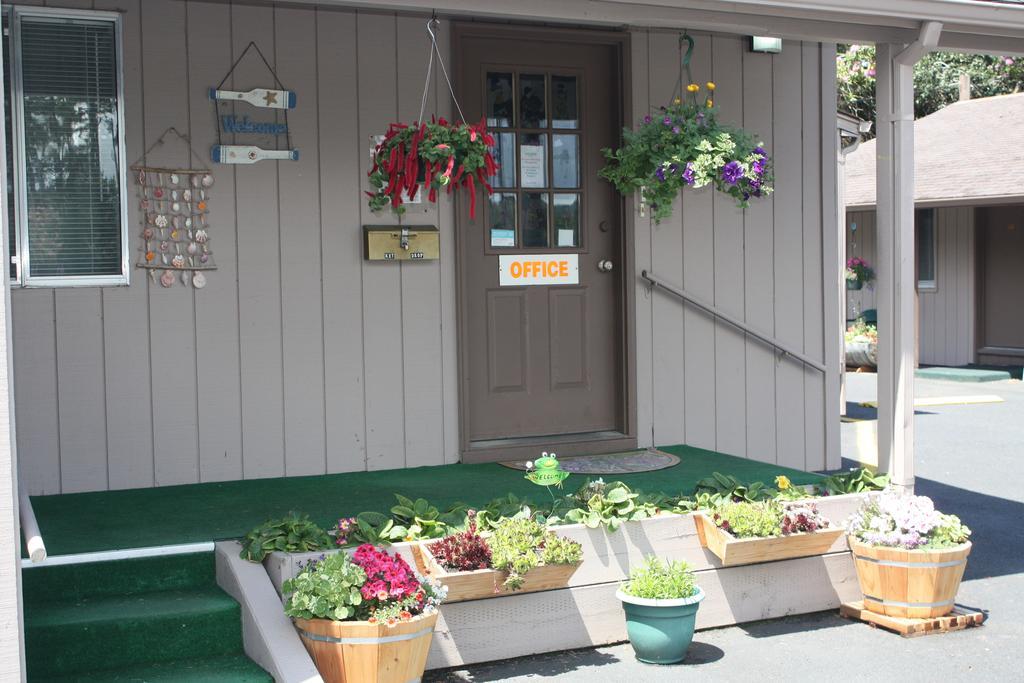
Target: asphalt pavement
(970, 460)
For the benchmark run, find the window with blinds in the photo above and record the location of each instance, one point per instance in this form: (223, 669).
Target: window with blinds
(68, 162)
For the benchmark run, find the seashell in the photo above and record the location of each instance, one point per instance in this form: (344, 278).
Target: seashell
(167, 279)
(150, 256)
(186, 195)
(141, 177)
(174, 234)
(201, 206)
(204, 257)
(192, 248)
(164, 246)
(198, 280)
(174, 195)
(158, 193)
(207, 180)
(184, 278)
(175, 207)
(178, 261)
(151, 218)
(197, 180)
(148, 233)
(160, 221)
(201, 236)
(144, 204)
(188, 222)
(174, 179)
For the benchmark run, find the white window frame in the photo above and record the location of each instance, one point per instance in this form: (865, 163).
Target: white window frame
(930, 285)
(23, 257)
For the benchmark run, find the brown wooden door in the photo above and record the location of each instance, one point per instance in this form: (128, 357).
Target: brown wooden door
(542, 363)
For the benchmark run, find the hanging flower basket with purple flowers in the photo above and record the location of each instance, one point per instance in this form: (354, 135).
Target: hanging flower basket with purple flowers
(684, 145)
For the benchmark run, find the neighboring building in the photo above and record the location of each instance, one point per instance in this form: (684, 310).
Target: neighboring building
(969, 199)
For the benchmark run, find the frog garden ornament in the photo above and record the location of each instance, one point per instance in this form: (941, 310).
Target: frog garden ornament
(547, 471)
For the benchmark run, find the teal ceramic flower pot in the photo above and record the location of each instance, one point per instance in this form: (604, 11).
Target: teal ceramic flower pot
(660, 630)
(854, 285)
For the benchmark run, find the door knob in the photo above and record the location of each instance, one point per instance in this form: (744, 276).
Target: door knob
(604, 265)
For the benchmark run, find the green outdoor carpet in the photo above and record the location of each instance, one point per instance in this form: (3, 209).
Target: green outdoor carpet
(109, 520)
(159, 618)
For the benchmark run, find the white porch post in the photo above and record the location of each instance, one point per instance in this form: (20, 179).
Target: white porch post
(896, 260)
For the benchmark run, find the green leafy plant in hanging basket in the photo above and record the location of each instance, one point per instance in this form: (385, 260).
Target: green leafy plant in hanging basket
(684, 145)
(437, 156)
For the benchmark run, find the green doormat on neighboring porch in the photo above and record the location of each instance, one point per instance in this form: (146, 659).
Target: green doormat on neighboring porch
(630, 462)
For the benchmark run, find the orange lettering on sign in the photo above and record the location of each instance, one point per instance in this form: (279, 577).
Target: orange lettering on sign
(516, 269)
(563, 268)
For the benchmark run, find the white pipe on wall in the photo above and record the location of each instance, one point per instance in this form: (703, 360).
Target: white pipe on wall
(30, 528)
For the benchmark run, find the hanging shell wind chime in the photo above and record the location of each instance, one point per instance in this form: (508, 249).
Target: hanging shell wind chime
(174, 205)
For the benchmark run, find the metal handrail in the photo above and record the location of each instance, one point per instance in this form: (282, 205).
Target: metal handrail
(783, 350)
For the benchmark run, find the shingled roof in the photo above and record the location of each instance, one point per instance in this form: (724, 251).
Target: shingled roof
(968, 152)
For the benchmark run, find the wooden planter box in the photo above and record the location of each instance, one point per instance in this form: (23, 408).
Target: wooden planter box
(489, 583)
(918, 584)
(361, 652)
(734, 551)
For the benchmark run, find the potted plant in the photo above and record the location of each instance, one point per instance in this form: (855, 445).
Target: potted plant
(861, 344)
(293, 533)
(435, 155)
(751, 532)
(520, 555)
(858, 273)
(364, 617)
(909, 557)
(660, 600)
(684, 145)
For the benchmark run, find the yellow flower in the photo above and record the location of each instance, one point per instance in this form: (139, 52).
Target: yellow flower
(677, 100)
(711, 85)
(693, 87)
(710, 103)
(782, 481)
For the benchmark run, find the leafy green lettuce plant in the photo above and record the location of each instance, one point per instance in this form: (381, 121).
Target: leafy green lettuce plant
(660, 580)
(750, 520)
(290, 534)
(519, 545)
(724, 488)
(329, 590)
(857, 480)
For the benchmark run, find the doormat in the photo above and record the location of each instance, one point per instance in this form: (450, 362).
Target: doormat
(630, 462)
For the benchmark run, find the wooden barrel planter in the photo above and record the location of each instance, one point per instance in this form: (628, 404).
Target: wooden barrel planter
(917, 584)
(489, 583)
(734, 551)
(361, 652)
(861, 354)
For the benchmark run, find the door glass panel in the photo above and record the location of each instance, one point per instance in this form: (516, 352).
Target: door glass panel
(501, 210)
(535, 219)
(504, 153)
(532, 105)
(499, 100)
(566, 160)
(533, 160)
(564, 108)
(567, 220)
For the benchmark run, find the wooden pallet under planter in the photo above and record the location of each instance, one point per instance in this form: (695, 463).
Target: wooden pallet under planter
(489, 583)
(361, 652)
(957, 620)
(734, 551)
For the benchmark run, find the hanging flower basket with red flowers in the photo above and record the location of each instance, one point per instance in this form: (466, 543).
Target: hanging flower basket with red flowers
(433, 156)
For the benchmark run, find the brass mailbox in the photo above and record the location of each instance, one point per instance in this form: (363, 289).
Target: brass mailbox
(401, 243)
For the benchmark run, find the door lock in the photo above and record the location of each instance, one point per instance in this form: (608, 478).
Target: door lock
(605, 266)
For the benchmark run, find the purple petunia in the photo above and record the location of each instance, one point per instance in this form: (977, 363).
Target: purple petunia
(732, 172)
(758, 167)
(667, 120)
(688, 173)
(660, 173)
(675, 129)
(760, 150)
(647, 119)
(700, 118)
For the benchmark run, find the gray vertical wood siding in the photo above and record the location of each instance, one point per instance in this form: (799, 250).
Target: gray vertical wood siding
(946, 315)
(702, 382)
(299, 357)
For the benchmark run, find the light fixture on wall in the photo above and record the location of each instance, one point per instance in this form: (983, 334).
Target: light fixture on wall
(765, 44)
